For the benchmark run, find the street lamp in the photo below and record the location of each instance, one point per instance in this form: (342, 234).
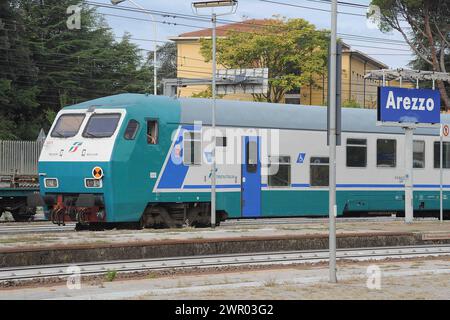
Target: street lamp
(202, 5)
(155, 87)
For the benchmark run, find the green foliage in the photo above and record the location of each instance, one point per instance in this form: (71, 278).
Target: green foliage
(206, 94)
(351, 103)
(424, 24)
(111, 275)
(44, 66)
(293, 50)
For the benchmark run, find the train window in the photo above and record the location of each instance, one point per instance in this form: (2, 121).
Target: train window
(221, 141)
(279, 171)
(131, 130)
(418, 154)
(68, 125)
(319, 171)
(357, 153)
(152, 131)
(192, 148)
(446, 155)
(101, 125)
(386, 153)
(251, 156)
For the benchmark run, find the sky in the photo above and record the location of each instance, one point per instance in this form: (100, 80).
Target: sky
(351, 21)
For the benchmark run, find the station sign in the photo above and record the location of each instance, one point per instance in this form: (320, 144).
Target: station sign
(408, 105)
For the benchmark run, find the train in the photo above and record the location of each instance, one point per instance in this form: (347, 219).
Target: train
(18, 177)
(146, 160)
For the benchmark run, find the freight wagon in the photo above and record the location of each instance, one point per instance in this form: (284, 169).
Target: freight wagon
(18, 177)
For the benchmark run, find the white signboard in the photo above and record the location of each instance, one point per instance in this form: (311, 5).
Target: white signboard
(243, 80)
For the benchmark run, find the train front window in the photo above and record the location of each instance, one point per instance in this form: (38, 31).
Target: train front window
(67, 125)
(101, 125)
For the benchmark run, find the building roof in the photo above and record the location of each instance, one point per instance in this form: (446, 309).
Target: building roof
(365, 57)
(221, 31)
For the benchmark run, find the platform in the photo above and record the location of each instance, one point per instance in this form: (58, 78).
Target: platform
(73, 247)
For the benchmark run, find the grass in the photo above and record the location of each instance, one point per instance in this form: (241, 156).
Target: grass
(271, 282)
(111, 275)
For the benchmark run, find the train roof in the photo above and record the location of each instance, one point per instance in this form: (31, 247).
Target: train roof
(285, 116)
(257, 114)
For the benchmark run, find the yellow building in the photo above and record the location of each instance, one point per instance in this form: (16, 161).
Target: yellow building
(356, 90)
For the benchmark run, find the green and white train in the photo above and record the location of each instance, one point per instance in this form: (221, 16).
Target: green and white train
(147, 160)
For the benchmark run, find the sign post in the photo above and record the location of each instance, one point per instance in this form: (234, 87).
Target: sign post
(409, 109)
(445, 130)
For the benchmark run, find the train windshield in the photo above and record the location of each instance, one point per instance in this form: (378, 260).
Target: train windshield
(68, 125)
(101, 125)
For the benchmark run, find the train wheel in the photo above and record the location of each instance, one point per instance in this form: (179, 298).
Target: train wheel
(140, 225)
(22, 214)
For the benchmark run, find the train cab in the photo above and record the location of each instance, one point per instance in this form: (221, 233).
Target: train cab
(92, 168)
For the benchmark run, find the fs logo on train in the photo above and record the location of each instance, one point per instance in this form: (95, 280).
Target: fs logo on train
(97, 173)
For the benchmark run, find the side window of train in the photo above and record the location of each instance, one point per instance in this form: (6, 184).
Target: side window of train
(221, 141)
(357, 153)
(251, 153)
(192, 148)
(386, 153)
(418, 154)
(152, 131)
(279, 171)
(445, 153)
(131, 129)
(319, 171)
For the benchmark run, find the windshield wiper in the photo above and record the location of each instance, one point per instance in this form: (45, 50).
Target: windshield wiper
(91, 135)
(57, 133)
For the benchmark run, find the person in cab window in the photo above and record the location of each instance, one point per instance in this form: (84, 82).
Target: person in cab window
(152, 132)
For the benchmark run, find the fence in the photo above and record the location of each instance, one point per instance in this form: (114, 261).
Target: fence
(19, 157)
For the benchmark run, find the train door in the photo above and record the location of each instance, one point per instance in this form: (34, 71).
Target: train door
(251, 177)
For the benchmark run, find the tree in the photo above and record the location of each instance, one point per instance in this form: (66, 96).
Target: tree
(44, 66)
(425, 26)
(293, 50)
(18, 73)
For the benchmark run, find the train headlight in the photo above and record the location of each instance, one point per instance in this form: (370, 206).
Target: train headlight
(93, 183)
(51, 182)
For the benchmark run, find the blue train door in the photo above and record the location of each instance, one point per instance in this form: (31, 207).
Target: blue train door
(251, 178)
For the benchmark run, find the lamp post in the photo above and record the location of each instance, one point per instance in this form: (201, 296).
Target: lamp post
(155, 72)
(232, 4)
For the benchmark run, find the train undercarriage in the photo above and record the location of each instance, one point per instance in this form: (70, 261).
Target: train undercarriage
(88, 210)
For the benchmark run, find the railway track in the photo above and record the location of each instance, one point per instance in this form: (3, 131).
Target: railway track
(271, 258)
(42, 226)
(37, 228)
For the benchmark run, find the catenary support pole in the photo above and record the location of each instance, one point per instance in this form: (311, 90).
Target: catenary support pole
(213, 124)
(441, 176)
(332, 210)
(409, 209)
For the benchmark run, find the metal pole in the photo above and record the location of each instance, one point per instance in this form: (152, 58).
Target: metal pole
(155, 69)
(332, 210)
(409, 210)
(213, 124)
(441, 177)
